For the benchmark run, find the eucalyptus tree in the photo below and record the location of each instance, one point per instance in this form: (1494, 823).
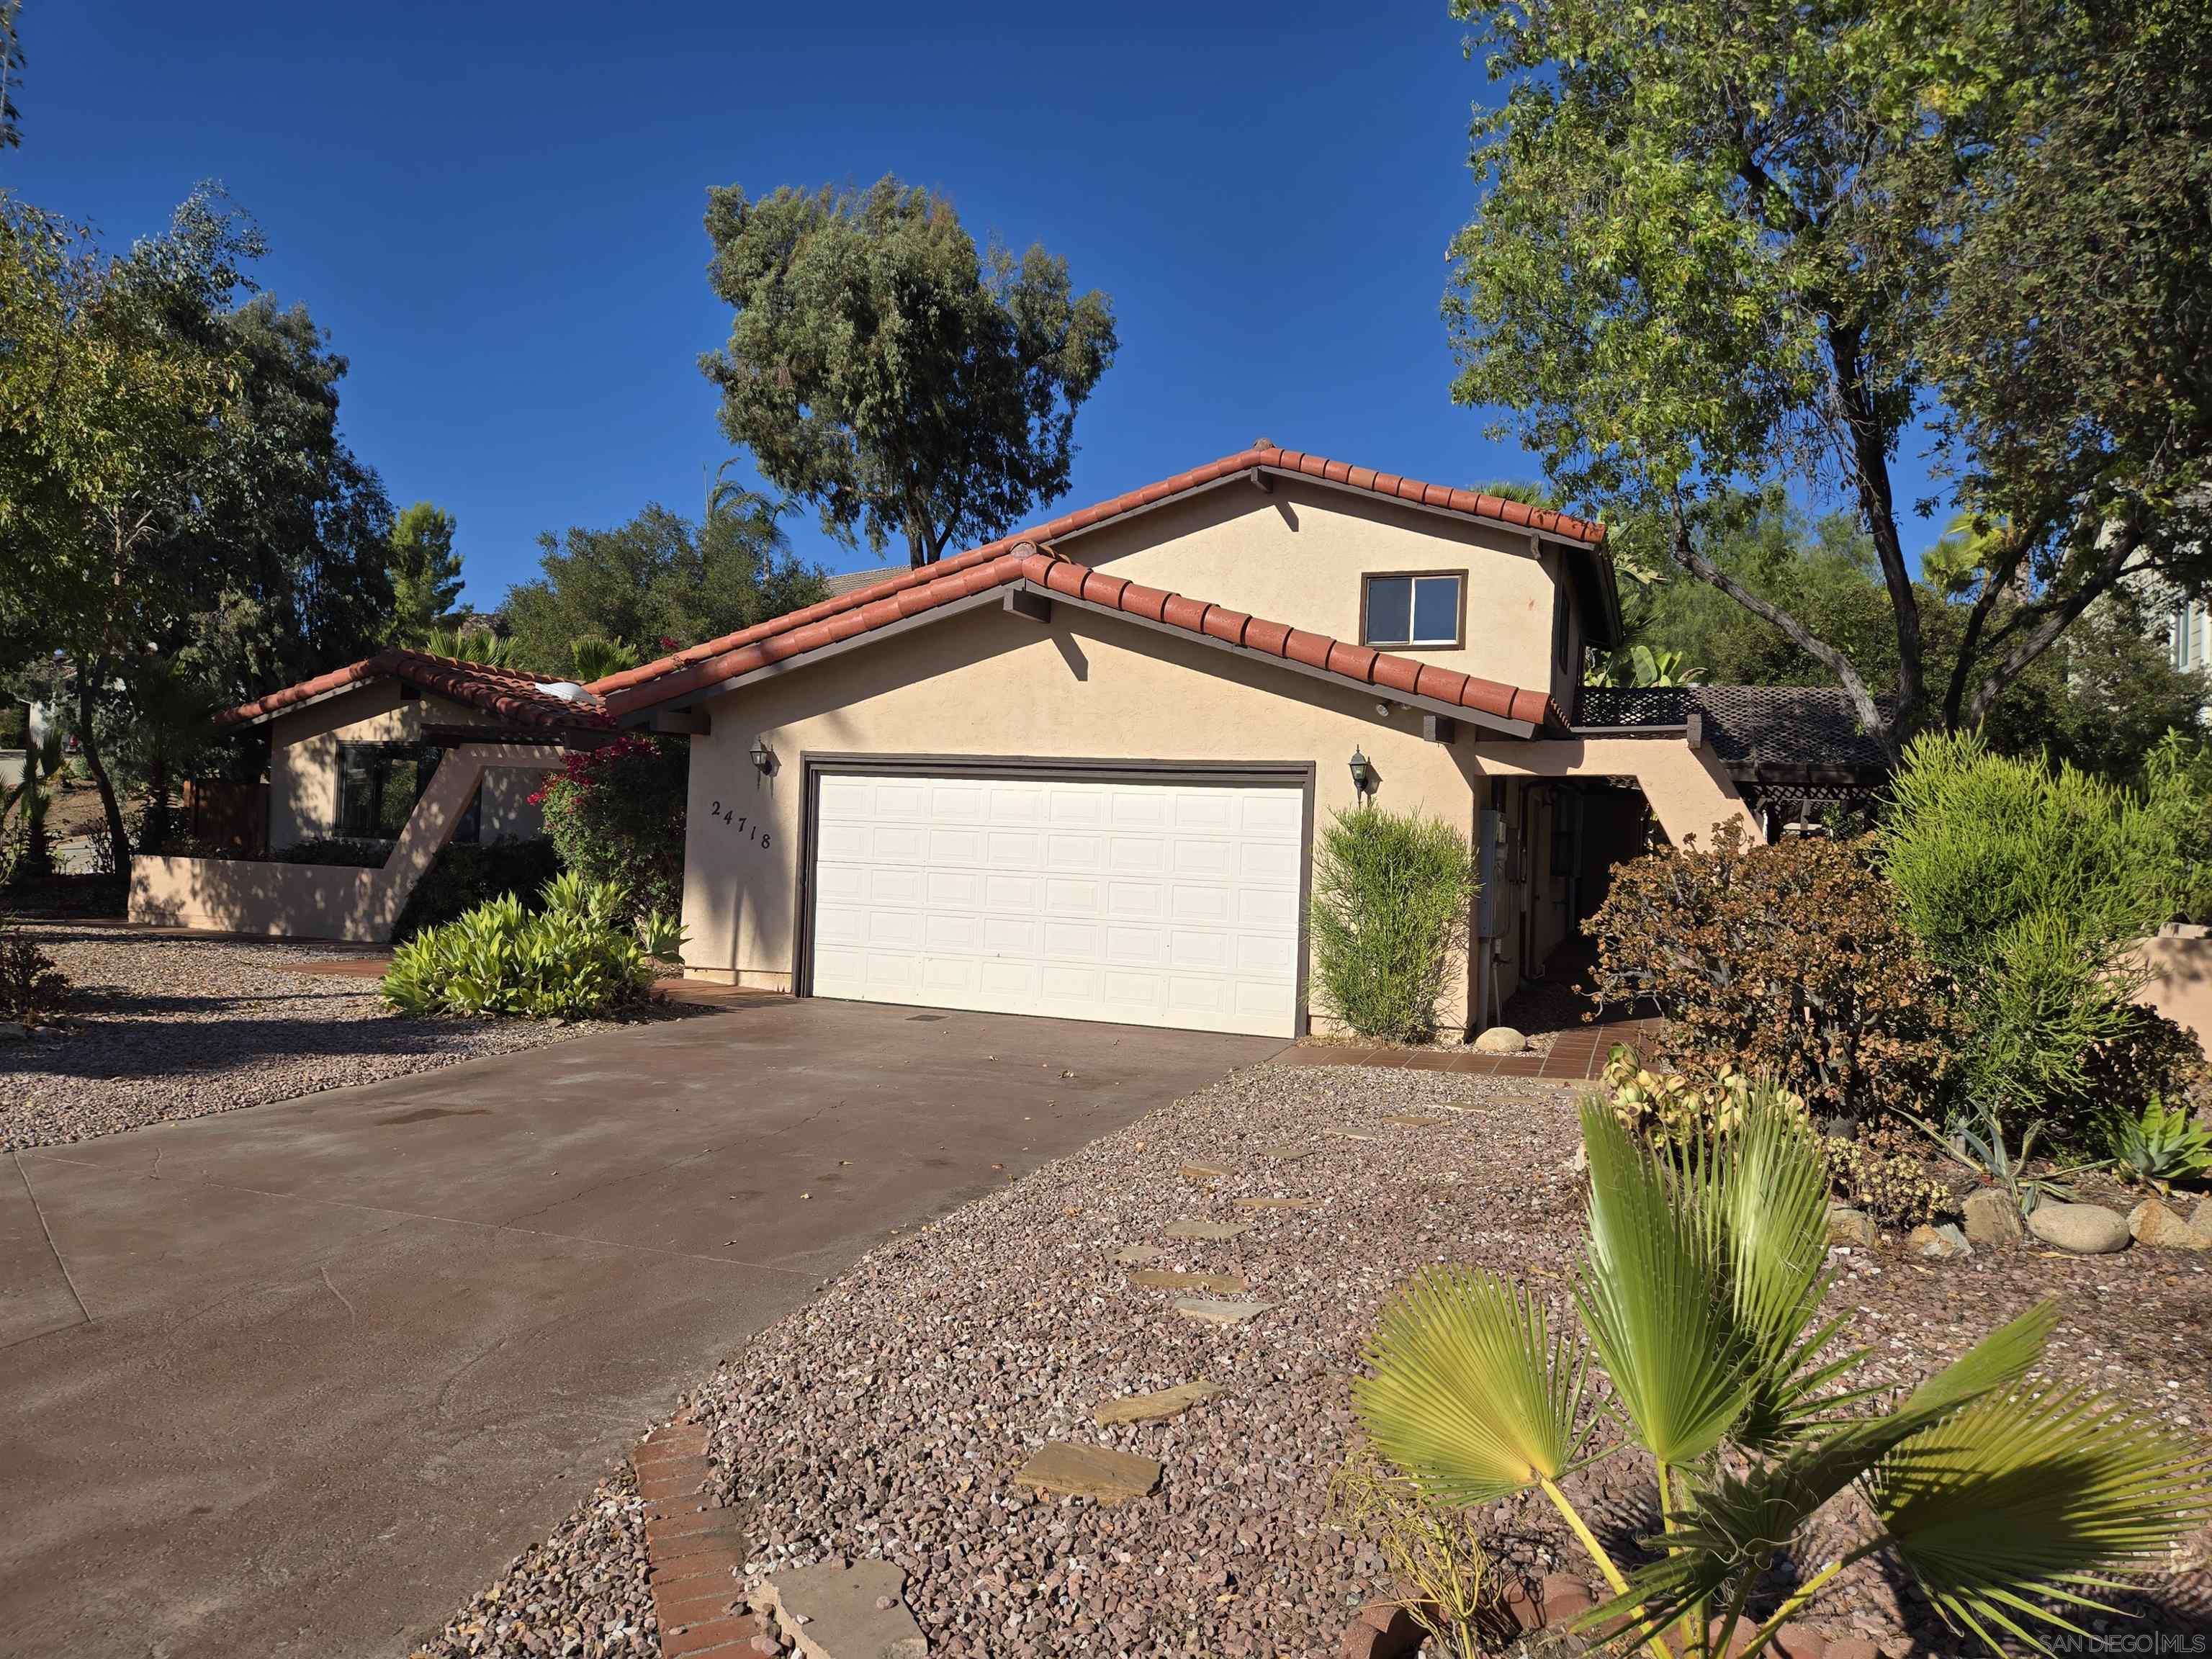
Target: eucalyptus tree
(880, 367)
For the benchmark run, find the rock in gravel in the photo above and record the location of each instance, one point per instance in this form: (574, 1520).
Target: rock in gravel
(1216, 1232)
(1154, 1407)
(1157, 1279)
(843, 1612)
(1201, 1172)
(1082, 1471)
(1853, 1227)
(2159, 1224)
(1212, 1312)
(2082, 1229)
(1943, 1243)
(1993, 1218)
(1500, 1040)
(1136, 1255)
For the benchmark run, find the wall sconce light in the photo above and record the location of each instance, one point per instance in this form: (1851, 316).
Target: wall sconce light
(1362, 774)
(763, 757)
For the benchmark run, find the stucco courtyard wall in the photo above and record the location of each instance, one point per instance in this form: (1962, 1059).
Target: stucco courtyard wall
(2180, 963)
(315, 901)
(989, 685)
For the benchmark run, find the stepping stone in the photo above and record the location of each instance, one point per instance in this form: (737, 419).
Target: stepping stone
(1275, 1203)
(1201, 1172)
(843, 1612)
(1291, 1151)
(1412, 1122)
(1156, 1407)
(1220, 1313)
(1098, 1472)
(1156, 1279)
(1136, 1255)
(1216, 1232)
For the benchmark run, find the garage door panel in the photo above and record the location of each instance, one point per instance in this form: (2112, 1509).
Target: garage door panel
(1201, 903)
(1214, 860)
(1024, 894)
(1016, 849)
(1072, 851)
(953, 844)
(1158, 903)
(1135, 900)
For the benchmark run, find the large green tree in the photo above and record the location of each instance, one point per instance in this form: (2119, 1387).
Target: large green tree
(425, 571)
(2101, 698)
(113, 398)
(1721, 244)
(880, 367)
(178, 513)
(660, 577)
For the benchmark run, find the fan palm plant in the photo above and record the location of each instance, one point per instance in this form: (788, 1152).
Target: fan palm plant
(1701, 1298)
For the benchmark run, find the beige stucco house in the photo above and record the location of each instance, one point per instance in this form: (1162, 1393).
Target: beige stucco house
(1079, 772)
(402, 751)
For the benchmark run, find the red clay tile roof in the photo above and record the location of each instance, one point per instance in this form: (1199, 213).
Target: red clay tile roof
(834, 621)
(510, 693)
(841, 614)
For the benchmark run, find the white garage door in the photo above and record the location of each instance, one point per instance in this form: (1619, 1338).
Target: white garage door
(1145, 903)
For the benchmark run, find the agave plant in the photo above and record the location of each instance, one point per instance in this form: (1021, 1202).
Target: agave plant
(1701, 1299)
(2164, 1145)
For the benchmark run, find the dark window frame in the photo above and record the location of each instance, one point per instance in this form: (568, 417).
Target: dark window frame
(382, 757)
(1457, 642)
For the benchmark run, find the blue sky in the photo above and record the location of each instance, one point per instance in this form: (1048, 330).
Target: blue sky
(494, 209)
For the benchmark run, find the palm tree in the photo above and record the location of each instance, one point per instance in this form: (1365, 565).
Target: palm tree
(478, 645)
(1701, 1298)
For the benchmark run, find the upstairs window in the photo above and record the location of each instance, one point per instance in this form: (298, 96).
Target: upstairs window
(1419, 609)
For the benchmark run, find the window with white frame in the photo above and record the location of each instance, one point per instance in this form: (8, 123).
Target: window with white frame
(1418, 608)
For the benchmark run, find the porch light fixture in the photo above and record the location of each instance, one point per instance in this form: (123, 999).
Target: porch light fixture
(1363, 775)
(763, 757)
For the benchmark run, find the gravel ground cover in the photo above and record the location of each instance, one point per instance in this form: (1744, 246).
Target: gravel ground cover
(163, 1027)
(887, 1419)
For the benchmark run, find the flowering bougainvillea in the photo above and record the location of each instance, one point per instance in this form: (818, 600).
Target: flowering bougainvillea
(616, 813)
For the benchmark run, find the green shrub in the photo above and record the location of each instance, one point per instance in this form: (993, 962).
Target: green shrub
(2028, 885)
(32, 988)
(465, 876)
(1391, 896)
(579, 958)
(1886, 1172)
(1787, 960)
(616, 814)
(2177, 777)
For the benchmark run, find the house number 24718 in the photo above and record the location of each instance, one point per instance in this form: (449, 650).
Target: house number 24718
(737, 821)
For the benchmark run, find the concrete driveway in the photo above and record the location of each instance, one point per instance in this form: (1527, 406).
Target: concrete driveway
(301, 1378)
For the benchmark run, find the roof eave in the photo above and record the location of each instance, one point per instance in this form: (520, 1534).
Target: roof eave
(641, 712)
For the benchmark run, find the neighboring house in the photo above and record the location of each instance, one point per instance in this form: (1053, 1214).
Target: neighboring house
(1078, 771)
(350, 751)
(402, 748)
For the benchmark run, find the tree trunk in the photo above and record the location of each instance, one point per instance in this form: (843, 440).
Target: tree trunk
(1877, 506)
(88, 676)
(1847, 675)
(154, 833)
